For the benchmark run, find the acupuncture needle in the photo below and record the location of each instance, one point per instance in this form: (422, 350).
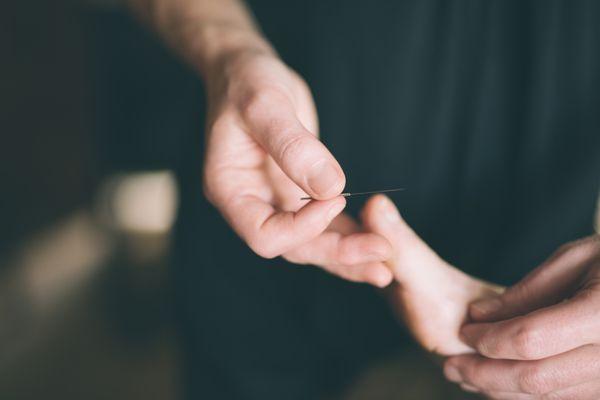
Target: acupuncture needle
(349, 194)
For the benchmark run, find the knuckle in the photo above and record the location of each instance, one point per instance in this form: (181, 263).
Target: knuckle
(532, 380)
(293, 147)
(526, 343)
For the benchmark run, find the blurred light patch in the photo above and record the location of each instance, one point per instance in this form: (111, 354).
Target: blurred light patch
(62, 258)
(142, 202)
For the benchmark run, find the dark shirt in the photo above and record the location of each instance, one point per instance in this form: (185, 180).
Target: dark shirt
(487, 112)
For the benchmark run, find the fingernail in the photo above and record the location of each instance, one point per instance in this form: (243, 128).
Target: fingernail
(390, 211)
(487, 306)
(335, 210)
(452, 374)
(324, 178)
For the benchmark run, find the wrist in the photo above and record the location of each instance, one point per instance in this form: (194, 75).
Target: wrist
(218, 45)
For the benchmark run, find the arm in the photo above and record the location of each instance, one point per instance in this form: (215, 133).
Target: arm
(203, 32)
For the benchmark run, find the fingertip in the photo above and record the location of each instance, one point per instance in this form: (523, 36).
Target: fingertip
(380, 201)
(325, 180)
(474, 313)
(385, 279)
(388, 209)
(451, 372)
(372, 204)
(379, 276)
(339, 203)
(484, 309)
(381, 211)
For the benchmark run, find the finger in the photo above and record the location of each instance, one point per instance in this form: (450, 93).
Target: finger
(272, 121)
(528, 377)
(540, 334)
(381, 216)
(338, 251)
(375, 273)
(485, 374)
(544, 286)
(344, 224)
(336, 248)
(585, 391)
(270, 233)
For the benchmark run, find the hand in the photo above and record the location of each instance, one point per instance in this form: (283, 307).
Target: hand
(541, 338)
(263, 155)
(431, 295)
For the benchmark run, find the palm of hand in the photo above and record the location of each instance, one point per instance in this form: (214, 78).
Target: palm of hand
(263, 156)
(430, 295)
(258, 98)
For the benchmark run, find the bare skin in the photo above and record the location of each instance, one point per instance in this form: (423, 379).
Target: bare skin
(263, 151)
(430, 295)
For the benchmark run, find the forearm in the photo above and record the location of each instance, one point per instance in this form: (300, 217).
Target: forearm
(203, 32)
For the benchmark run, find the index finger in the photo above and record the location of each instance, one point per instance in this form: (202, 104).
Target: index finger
(270, 232)
(539, 334)
(532, 377)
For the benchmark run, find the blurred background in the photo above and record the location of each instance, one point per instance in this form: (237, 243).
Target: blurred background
(88, 204)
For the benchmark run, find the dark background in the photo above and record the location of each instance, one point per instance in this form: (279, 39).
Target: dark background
(85, 93)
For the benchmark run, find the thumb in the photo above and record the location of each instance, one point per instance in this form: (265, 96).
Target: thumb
(551, 282)
(298, 152)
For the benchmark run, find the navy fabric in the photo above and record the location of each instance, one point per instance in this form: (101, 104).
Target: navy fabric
(487, 112)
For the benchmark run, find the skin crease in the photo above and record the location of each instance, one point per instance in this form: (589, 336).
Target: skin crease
(541, 338)
(261, 144)
(430, 295)
(259, 102)
(262, 148)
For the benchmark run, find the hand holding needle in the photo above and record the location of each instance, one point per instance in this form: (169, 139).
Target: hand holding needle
(348, 194)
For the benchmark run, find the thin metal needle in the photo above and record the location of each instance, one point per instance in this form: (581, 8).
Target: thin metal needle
(348, 194)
